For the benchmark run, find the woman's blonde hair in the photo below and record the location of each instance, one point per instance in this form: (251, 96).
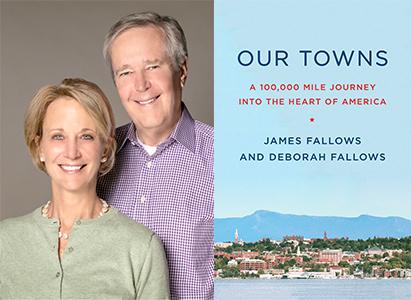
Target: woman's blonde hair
(90, 97)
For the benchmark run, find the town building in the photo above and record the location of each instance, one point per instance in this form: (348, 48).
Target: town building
(330, 256)
(253, 264)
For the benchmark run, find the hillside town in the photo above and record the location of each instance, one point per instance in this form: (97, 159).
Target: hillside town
(296, 257)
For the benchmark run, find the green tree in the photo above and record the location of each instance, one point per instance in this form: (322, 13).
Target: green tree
(344, 264)
(291, 262)
(230, 272)
(220, 262)
(306, 259)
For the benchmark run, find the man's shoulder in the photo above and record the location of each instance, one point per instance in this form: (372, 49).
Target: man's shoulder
(204, 130)
(204, 141)
(204, 138)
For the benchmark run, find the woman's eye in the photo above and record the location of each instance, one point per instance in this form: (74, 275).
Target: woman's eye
(87, 137)
(57, 137)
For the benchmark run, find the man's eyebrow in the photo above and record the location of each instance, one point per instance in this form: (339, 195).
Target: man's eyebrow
(146, 62)
(153, 61)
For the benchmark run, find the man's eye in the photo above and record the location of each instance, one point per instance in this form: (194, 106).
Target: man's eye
(125, 73)
(153, 67)
(57, 137)
(87, 137)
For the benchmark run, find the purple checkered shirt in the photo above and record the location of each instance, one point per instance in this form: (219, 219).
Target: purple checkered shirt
(172, 193)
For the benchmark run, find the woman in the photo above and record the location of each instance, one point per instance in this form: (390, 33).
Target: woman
(76, 246)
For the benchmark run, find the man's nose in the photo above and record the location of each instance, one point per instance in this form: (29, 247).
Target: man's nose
(72, 149)
(141, 82)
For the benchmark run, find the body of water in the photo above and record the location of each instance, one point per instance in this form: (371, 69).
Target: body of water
(344, 289)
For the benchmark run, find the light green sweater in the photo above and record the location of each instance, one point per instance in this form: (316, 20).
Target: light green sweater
(111, 257)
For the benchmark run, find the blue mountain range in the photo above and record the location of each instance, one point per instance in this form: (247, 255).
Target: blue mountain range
(267, 224)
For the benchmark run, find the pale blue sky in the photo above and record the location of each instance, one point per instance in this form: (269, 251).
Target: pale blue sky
(380, 188)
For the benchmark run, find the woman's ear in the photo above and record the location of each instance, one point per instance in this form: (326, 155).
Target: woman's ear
(39, 149)
(107, 146)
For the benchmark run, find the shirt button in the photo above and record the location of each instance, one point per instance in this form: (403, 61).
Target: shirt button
(149, 164)
(57, 274)
(78, 222)
(70, 249)
(132, 143)
(143, 199)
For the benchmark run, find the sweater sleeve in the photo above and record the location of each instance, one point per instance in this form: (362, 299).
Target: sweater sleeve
(153, 282)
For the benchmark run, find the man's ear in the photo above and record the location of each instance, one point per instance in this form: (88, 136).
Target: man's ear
(183, 73)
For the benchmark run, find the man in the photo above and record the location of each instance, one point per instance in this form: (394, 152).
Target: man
(163, 176)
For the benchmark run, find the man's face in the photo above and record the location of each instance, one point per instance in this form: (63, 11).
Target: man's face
(149, 88)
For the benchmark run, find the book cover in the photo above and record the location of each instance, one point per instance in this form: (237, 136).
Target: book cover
(312, 116)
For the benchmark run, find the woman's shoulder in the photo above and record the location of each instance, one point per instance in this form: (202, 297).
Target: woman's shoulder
(128, 228)
(17, 224)
(125, 233)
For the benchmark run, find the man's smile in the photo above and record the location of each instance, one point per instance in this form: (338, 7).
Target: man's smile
(146, 101)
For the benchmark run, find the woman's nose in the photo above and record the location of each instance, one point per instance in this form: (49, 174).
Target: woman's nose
(72, 149)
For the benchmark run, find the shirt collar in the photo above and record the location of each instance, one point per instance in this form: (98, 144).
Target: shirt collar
(129, 133)
(184, 133)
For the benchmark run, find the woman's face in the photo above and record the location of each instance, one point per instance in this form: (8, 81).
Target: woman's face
(70, 146)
